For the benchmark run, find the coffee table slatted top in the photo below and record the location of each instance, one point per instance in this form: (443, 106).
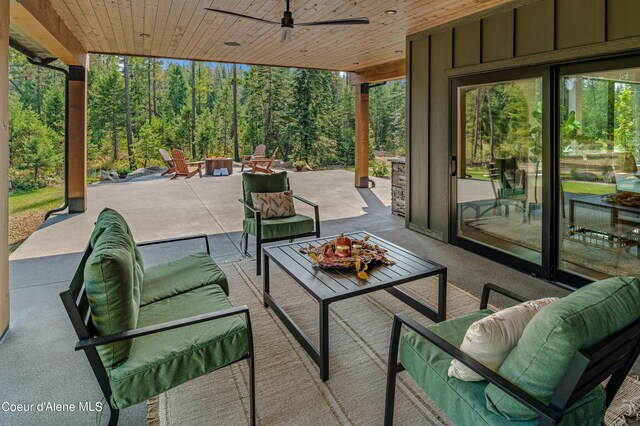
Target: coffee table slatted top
(336, 284)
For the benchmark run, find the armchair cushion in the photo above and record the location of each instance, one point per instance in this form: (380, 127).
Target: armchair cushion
(276, 182)
(113, 277)
(161, 361)
(280, 228)
(464, 402)
(180, 276)
(273, 205)
(578, 321)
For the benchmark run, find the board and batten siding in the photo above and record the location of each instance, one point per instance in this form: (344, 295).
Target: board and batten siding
(525, 33)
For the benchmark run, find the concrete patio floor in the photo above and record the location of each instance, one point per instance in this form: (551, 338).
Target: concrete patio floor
(37, 361)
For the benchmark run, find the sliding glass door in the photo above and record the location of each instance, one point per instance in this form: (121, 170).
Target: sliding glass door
(499, 179)
(545, 168)
(599, 154)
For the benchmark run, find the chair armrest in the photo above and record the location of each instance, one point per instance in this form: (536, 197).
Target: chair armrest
(503, 384)
(157, 328)
(249, 206)
(316, 211)
(174, 240)
(488, 287)
(304, 200)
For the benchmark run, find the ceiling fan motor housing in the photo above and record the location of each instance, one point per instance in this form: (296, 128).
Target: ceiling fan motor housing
(287, 20)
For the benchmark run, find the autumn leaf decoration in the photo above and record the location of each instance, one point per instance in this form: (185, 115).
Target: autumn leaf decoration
(361, 267)
(324, 256)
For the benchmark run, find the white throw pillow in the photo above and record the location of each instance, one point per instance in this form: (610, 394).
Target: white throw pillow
(490, 339)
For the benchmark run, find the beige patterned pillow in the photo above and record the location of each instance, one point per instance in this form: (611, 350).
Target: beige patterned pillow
(274, 205)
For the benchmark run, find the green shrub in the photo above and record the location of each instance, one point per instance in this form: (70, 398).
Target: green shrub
(300, 164)
(380, 169)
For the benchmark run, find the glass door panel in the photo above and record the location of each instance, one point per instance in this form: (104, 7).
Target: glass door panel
(599, 180)
(499, 176)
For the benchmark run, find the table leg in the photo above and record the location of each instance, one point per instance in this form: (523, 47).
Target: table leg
(324, 341)
(442, 296)
(265, 281)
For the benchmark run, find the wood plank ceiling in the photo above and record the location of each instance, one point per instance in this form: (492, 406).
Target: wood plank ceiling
(182, 29)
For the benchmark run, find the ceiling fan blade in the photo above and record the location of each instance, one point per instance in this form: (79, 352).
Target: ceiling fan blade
(354, 21)
(239, 15)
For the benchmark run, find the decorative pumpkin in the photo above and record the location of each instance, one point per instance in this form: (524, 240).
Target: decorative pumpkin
(343, 246)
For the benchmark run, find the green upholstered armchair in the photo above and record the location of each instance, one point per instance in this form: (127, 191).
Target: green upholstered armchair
(554, 374)
(268, 230)
(147, 330)
(509, 185)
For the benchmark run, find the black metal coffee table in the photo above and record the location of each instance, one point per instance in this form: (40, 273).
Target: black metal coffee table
(328, 286)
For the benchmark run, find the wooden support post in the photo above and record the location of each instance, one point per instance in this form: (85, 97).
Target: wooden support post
(4, 167)
(77, 157)
(362, 136)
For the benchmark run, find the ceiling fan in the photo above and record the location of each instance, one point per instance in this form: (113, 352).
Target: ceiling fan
(287, 24)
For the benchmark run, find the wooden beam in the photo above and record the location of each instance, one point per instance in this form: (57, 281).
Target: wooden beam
(362, 136)
(77, 133)
(39, 20)
(378, 73)
(4, 167)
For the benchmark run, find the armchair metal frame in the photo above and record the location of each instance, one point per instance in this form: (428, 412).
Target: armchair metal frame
(244, 243)
(613, 357)
(77, 306)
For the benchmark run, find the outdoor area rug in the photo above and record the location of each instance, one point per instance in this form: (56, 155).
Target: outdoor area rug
(289, 389)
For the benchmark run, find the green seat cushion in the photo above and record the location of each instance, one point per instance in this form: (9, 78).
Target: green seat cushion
(280, 228)
(276, 182)
(179, 276)
(464, 402)
(510, 192)
(160, 361)
(113, 277)
(579, 321)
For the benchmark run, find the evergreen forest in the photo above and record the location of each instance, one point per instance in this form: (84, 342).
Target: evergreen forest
(138, 105)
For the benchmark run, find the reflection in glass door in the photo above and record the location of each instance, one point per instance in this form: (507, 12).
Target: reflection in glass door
(499, 176)
(599, 179)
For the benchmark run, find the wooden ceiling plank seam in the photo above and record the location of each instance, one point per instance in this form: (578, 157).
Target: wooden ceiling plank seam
(171, 10)
(138, 13)
(150, 19)
(96, 23)
(126, 15)
(191, 27)
(162, 14)
(224, 22)
(185, 27)
(171, 27)
(205, 24)
(73, 23)
(102, 17)
(118, 25)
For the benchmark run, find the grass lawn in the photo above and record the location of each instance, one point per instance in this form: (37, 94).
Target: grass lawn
(27, 210)
(45, 198)
(589, 188)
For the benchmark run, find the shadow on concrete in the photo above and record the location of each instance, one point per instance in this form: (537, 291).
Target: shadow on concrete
(374, 204)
